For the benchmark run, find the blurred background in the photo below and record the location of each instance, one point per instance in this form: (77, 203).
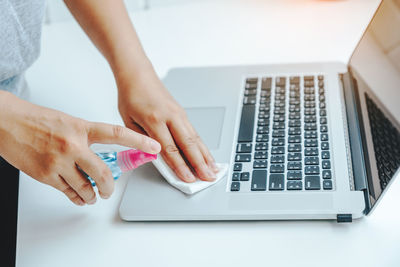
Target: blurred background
(57, 12)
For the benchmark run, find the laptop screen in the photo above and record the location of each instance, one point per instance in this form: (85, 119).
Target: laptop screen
(375, 65)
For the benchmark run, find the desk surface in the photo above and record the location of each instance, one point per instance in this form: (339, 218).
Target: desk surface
(72, 76)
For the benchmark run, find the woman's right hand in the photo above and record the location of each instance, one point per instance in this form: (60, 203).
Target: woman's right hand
(49, 145)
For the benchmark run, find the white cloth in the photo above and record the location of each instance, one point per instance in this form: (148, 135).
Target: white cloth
(188, 188)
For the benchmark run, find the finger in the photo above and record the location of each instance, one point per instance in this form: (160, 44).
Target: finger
(136, 127)
(60, 184)
(204, 150)
(93, 166)
(171, 153)
(188, 143)
(82, 186)
(116, 134)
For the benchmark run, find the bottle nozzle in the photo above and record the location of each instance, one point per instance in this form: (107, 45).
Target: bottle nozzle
(133, 158)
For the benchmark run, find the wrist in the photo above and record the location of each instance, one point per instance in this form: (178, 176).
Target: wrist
(134, 74)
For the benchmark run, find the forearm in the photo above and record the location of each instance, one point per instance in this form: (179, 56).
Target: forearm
(108, 25)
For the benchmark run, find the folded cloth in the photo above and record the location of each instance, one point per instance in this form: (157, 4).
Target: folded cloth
(188, 188)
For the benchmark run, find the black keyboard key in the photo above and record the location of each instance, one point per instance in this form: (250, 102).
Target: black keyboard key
(280, 81)
(249, 100)
(247, 123)
(310, 126)
(261, 155)
(327, 184)
(323, 129)
(260, 164)
(322, 112)
(309, 111)
(294, 116)
(312, 183)
(294, 175)
(294, 80)
(250, 92)
(310, 119)
(277, 159)
(261, 146)
(309, 78)
(278, 142)
(311, 151)
(278, 150)
(311, 160)
(294, 185)
(235, 176)
(243, 158)
(252, 80)
(325, 155)
(294, 147)
(309, 90)
(326, 164)
(237, 167)
(278, 133)
(294, 123)
(323, 120)
(250, 86)
(235, 186)
(244, 176)
(279, 118)
(324, 145)
(259, 180)
(309, 104)
(310, 134)
(294, 131)
(326, 174)
(310, 142)
(244, 148)
(262, 138)
(277, 168)
(276, 182)
(261, 130)
(294, 156)
(294, 165)
(311, 169)
(266, 83)
(263, 122)
(278, 125)
(324, 137)
(294, 139)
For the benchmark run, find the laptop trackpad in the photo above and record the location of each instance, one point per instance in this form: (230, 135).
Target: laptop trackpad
(208, 122)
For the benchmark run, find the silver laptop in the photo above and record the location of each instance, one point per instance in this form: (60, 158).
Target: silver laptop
(304, 141)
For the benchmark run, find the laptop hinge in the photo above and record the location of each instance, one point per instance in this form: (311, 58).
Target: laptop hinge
(354, 122)
(344, 218)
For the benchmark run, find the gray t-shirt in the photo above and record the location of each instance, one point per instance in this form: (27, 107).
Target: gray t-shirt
(20, 31)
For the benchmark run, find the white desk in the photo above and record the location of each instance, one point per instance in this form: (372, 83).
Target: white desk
(71, 76)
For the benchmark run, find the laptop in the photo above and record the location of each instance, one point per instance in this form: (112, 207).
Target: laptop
(304, 141)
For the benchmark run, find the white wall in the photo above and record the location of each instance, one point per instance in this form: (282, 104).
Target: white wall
(56, 10)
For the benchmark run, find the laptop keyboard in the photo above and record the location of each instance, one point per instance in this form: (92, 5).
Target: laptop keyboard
(386, 139)
(283, 139)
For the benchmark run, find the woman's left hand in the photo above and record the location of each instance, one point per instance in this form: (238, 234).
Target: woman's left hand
(147, 107)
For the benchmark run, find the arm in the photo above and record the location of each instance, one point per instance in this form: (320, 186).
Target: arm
(144, 103)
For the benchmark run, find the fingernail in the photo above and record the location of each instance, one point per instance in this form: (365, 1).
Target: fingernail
(211, 175)
(81, 202)
(188, 176)
(155, 146)
(103, 196)
(91, 202)
(214, 167)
